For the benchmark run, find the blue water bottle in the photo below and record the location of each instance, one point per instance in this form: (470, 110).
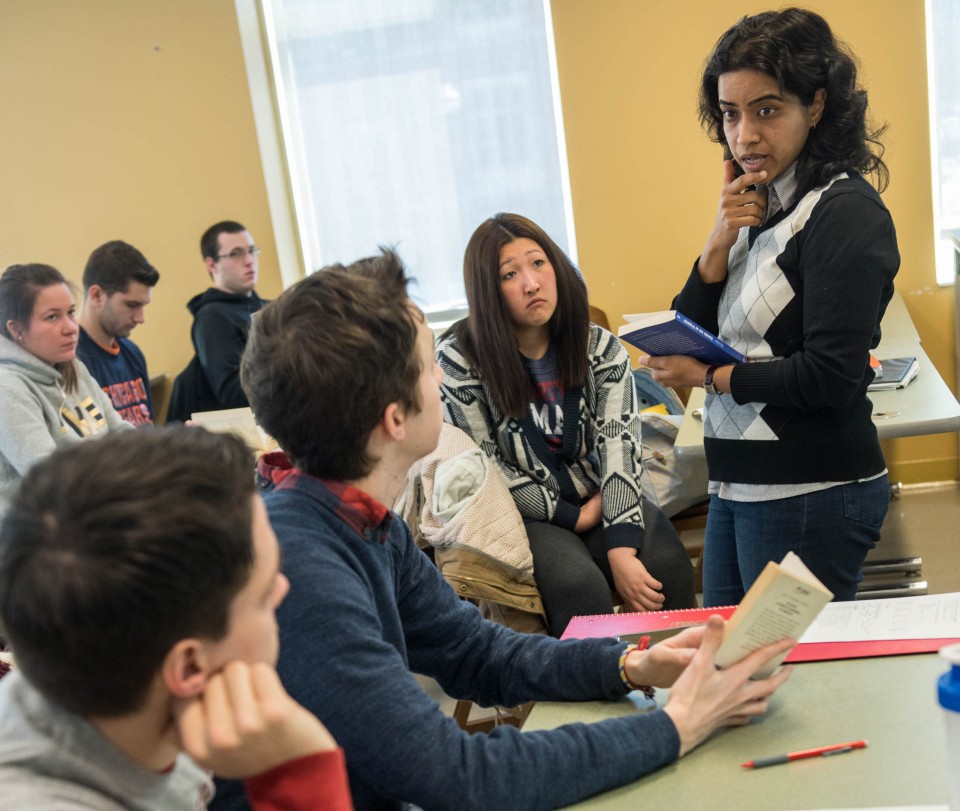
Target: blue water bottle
(949, 693)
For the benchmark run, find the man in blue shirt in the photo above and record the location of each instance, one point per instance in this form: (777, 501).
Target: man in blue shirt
(341, 370)
(117, 284)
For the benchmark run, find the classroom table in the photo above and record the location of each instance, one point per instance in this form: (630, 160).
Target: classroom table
(925, 406)
(891, 702)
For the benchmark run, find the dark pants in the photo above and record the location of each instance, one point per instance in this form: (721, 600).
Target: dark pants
(573, 573)
(830, 530)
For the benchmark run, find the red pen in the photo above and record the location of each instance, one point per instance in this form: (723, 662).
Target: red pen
(820, 751)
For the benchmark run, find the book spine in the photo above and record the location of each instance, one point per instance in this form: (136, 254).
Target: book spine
(713, 339)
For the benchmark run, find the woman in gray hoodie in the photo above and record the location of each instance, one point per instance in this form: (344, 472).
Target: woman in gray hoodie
(47, 396)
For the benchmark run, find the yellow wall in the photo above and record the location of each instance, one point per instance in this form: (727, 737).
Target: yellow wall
(646, 179)
(128, 120)
(132, 120)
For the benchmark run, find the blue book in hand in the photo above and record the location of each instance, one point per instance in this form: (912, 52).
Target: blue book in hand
(671, 333)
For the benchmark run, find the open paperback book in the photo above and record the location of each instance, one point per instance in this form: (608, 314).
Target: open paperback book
(782, 602)
(238, 421)
(672, 333)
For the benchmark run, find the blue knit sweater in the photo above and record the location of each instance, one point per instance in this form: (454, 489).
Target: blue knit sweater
(366, 607)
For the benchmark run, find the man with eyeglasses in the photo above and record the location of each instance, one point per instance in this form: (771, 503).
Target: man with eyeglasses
(221, 319)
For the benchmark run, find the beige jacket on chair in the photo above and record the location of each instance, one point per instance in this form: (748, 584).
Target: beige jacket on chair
(457, 502)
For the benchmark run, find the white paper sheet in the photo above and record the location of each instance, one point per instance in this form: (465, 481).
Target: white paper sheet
(895, 808)
(929, 616)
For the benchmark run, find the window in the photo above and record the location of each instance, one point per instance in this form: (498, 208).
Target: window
(408, 122)
(943, 29)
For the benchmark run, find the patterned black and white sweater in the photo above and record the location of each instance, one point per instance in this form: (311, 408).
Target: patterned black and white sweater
(803, 298)
(601, 441)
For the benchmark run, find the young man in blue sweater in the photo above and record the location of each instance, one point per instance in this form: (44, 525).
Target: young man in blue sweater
(340, 369)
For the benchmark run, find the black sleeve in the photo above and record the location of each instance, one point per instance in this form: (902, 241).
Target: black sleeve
(220, 341)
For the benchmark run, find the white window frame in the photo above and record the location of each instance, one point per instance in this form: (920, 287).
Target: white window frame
(275, 134)
(276, 174)
(946, 261)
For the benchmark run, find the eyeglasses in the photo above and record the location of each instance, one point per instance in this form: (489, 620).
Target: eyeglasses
(240, 253)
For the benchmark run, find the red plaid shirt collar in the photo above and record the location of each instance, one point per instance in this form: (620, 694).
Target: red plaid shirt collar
(361, 512)
(358, 510)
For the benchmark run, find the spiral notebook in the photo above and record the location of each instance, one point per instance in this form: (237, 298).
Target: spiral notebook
(631, 626)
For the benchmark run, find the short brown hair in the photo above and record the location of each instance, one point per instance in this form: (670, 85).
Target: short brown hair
(324, 361)
(486, 335)
(115, 550)
(114, 265)
(210, 240)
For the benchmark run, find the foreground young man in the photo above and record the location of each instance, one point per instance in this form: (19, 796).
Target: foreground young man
(138, 582)
(340, 369)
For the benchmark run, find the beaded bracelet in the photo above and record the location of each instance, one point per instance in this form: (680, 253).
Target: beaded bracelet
(646, 689)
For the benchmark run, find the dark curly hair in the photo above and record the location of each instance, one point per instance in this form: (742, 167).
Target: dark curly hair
(797, 48)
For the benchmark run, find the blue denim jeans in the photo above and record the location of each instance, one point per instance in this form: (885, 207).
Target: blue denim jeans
(830, 530)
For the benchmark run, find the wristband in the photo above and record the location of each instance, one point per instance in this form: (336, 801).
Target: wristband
(646, 689)
(708, 386)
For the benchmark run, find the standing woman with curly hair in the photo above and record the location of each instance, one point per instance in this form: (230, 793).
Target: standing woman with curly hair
(796, 274)
(550, 398)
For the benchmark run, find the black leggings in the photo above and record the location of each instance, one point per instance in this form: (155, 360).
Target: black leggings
(573, 574)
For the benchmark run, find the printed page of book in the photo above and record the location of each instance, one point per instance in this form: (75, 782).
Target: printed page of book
(928, 616)
(782, 602)
(635, 320)
(237, 421)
